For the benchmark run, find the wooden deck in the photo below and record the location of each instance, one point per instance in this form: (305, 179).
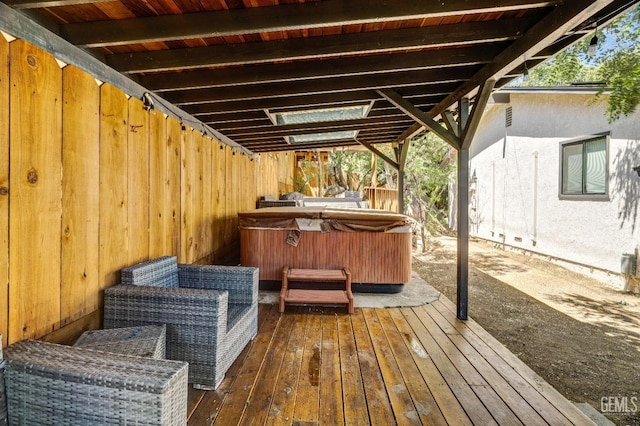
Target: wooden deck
(406, 366)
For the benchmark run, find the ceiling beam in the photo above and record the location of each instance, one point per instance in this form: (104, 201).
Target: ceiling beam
(450, 122)
(327, 85)
(302, 101)
(19, 25)
(476, 114)
(303, 70)
(433, 92)
(397, 127)
(420, 117)
(380, 154)
(254, 20)
(320, 47)
(284, 146)
(319, 127)
(561, 20)
(257, 126)
(34, 4)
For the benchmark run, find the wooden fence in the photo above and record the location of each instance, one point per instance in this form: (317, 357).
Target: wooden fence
(91, 182)
(382, 198)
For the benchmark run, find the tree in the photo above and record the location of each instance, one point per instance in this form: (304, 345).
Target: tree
(430, 164)
(616, 65)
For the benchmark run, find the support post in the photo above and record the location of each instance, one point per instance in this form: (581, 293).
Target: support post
(403, 150)
(401, 190)
(462, 264)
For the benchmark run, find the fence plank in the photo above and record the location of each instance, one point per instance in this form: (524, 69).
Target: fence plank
(4, 190)
(80, 194)
(174, 147)
(186, 203)
(207, 197)
(35, 209)
(113, 184)
(138, 181)
(159, 214)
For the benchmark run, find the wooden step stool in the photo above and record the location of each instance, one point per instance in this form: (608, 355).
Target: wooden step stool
(310, 296)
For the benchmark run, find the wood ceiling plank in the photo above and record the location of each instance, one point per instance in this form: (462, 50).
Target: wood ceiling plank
(320, 47)
(426, 94)
(345, 84)
(320, 127)
(35, 4)
(362, 65)
(302, 101)
(289, 17)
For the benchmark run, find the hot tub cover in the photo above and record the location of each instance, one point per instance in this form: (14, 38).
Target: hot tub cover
(330, 219)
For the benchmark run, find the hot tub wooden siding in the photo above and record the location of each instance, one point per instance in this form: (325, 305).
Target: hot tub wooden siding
(373, 257)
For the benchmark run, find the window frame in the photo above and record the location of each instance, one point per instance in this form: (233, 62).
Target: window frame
(582, 141)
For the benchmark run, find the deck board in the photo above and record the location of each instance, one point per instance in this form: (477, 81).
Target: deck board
(319, 365)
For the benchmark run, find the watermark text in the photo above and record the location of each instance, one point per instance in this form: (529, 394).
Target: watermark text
(619, 404)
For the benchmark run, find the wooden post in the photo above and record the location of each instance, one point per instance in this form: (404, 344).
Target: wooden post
(462, 265)
(403, 149)
(320, 174)
(401, 190)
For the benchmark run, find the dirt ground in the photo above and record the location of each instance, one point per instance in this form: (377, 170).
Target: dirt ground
(578, 334)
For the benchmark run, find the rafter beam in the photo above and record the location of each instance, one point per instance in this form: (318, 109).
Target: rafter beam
(268, 136)
(380, 154)
(420, 117)
(302, 101)
(432, 94)
(450, 122)
(554, 25)
(306, 70)
(327, 85)
(307, 48)
(34, 4)
(476, 114)
(265, 124)
(285, 17)
(320, 127)
(300, 145)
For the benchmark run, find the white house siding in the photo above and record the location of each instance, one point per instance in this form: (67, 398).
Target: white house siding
(519, 206)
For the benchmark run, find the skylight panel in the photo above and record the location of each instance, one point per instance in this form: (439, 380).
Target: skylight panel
(353, 112)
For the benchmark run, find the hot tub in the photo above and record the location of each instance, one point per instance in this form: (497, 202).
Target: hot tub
(375, 245)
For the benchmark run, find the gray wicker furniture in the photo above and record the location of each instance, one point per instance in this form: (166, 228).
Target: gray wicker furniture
(49, 384)
(145, 341)
(3, 400)
(211, 311)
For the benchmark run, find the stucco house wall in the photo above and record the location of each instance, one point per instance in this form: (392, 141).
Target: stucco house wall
(514, 197)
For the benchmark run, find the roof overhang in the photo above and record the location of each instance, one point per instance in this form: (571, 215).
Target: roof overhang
(232, 66)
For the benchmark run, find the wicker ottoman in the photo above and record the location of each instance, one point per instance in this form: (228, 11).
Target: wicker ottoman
(3, 400)
(145, 341)
(55, 384)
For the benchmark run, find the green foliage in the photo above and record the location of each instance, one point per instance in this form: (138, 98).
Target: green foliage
(350, 170)
(623, 76)
(616, 65)
(428, 170)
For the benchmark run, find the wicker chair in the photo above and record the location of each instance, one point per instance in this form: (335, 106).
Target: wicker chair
(211, 311)
(3, 400)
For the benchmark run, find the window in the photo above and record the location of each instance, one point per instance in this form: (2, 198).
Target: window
(318, 116)
(584, 169)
